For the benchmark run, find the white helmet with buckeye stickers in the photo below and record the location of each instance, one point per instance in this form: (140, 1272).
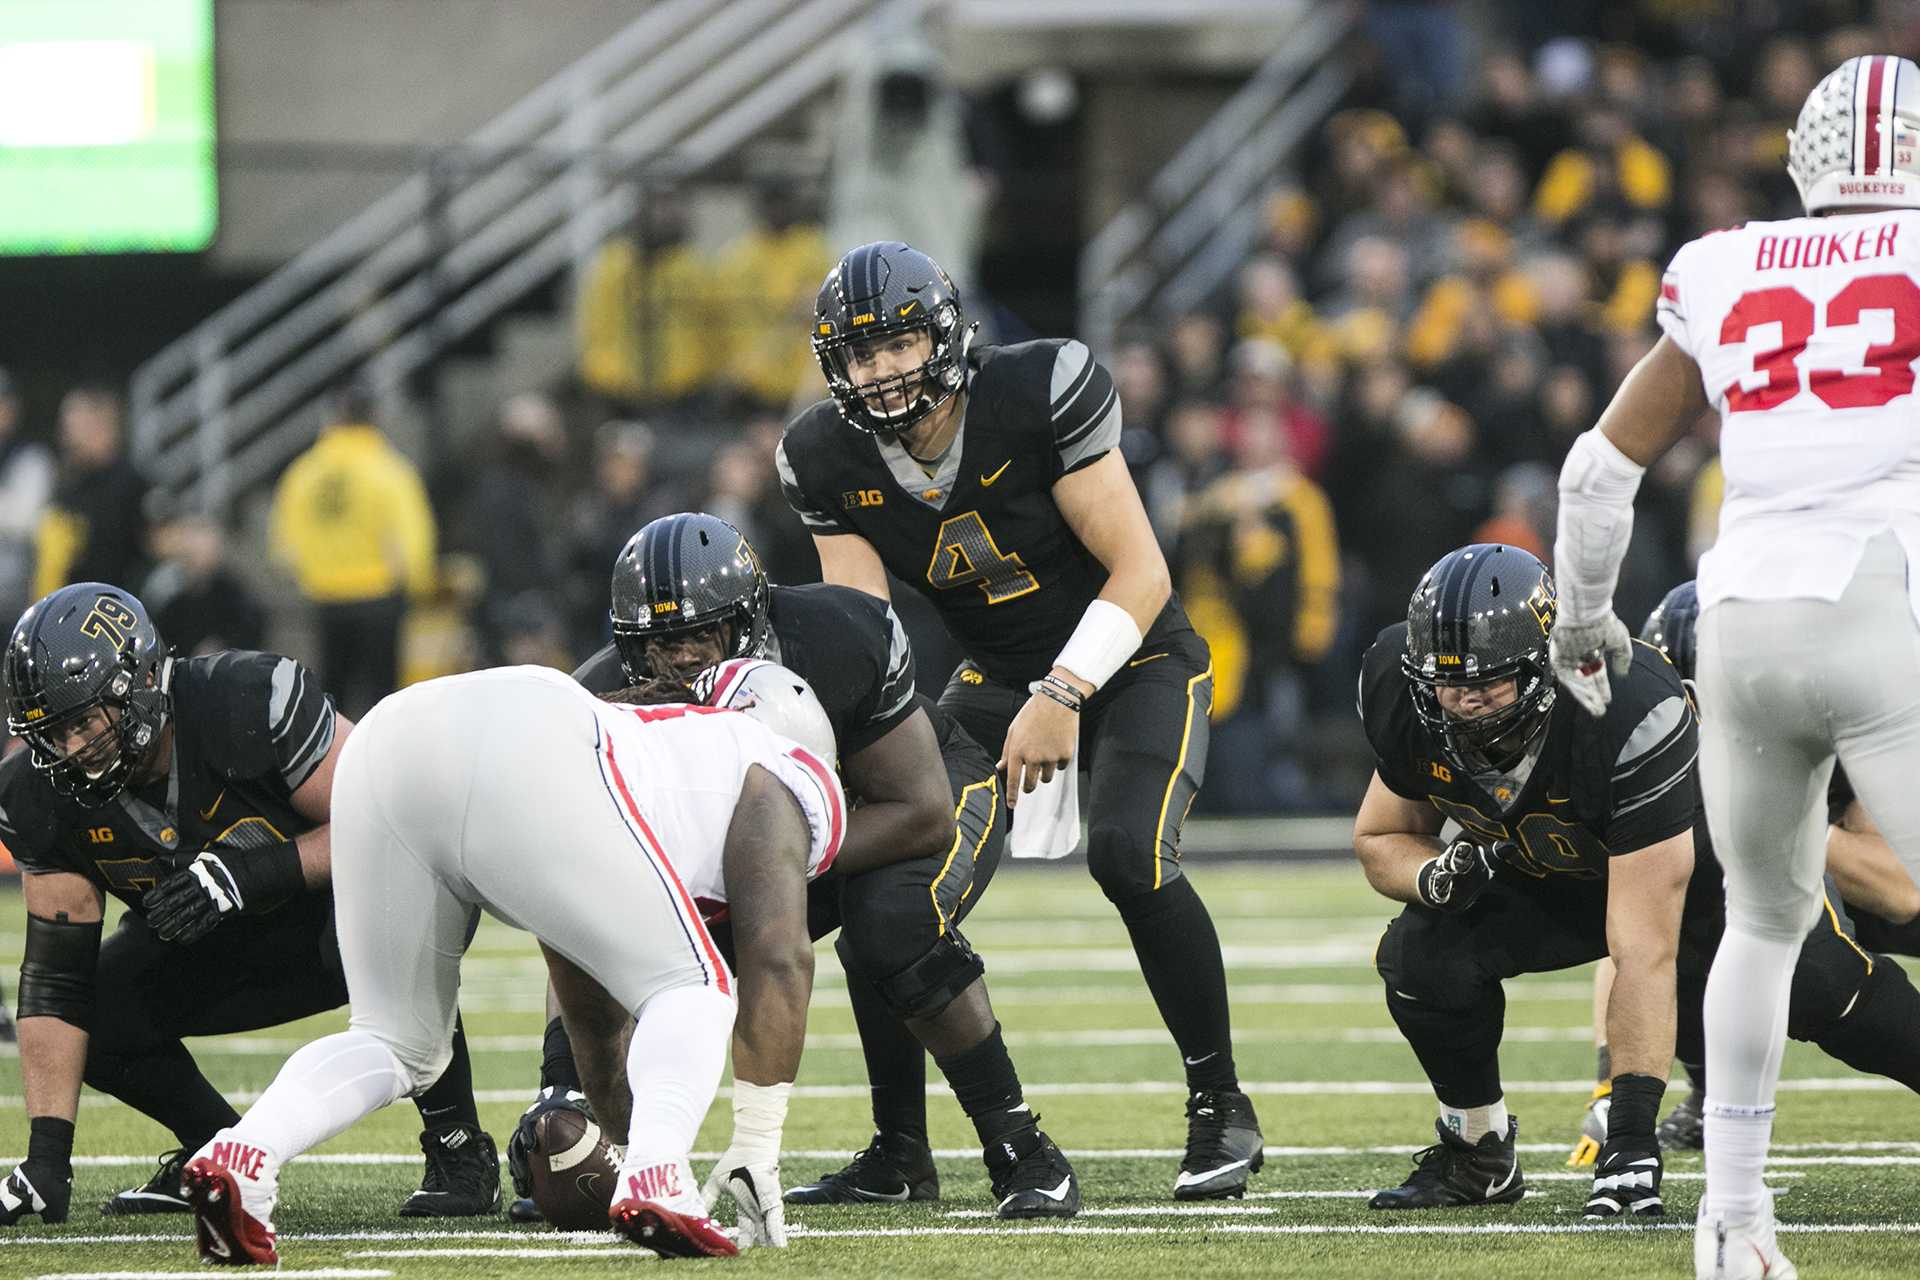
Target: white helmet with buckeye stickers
(776, 697)
(1857, 142)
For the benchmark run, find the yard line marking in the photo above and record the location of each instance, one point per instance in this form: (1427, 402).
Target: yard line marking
(637, 1252)
(334, 1273)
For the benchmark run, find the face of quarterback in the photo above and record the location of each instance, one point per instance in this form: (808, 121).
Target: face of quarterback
(686, 653)
(1471, 701)
(890, 357)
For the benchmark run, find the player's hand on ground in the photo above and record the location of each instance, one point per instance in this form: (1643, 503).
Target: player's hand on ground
(755, 1189)
(1461, 873)
(1593, 1127)
(1626, 1180)
(188, 905)
(36, 1186)
(1040, 742)
(1584, 653)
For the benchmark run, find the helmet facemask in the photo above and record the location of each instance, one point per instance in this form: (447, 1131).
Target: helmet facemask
(98, 770)
(920, 390)
(1499, 736)
(680, 576)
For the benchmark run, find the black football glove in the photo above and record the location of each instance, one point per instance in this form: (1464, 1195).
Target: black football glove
(187, 905)
(520, 1145)
(1626, 1179)
(1462, 872)
(37, 1186)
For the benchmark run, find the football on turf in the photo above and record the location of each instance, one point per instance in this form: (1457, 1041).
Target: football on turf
(573, 1170)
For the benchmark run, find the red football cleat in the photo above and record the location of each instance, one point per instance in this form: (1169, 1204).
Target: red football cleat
(670, 1234)
(228, 1234)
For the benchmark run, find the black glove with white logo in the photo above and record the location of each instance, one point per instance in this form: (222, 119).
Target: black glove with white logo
(189, 904)
(1462, 872)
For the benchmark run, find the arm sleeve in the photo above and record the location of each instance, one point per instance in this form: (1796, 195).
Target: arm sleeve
(814, 513)
(1084, 407)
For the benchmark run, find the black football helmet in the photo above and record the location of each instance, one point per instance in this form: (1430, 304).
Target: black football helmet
(1482, 613)
(87, 646)
(877, 291)
(684, 573)
(1671, 626)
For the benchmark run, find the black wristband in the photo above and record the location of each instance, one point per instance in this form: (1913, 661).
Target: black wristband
(265, 877)
(50, 1138)
(1636, 1100)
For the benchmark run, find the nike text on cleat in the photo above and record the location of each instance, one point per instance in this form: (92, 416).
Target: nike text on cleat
(670, 1234)
(891, 1170)
(462, 1178)
(1453, 1173)
(1031, 1178)
(226, 1233)
(158, 1194)
(1224, 1146)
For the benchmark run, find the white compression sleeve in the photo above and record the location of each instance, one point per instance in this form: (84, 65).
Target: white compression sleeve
(324, 1089)
(1597, 486)
(679, 1048)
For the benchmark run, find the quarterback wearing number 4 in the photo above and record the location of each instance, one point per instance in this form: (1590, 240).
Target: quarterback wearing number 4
(1803, 335)
(988, 481)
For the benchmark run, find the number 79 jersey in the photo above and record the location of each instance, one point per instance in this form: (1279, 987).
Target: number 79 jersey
(980, 535)
(1806, 332)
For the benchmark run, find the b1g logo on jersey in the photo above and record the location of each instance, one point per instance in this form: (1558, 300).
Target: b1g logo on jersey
(854, 498)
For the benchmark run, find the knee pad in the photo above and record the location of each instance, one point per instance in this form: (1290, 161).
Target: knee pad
(931, 983)
(1122, 864)
(1423, 957)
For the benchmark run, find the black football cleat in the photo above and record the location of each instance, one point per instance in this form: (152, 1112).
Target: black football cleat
(1450, 1174)
(1224, 1146)
(891, 1170)
(159, 1194)
(1031, 1177)
(1685, 1128)
(462, 1178)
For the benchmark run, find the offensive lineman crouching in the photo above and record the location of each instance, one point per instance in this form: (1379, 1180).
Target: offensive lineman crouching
(1575, 842)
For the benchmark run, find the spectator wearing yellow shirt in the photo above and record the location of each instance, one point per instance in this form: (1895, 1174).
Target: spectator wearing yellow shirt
(645, 318)
(770, 277)
(351, 521)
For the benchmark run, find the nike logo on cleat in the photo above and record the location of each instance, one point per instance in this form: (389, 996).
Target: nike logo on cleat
(1513, 1170)
(1188, 1179)
(1057, 1194)
(883, 1197)
(216, 1244)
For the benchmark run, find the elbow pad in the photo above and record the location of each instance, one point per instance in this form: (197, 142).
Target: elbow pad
(56, 970)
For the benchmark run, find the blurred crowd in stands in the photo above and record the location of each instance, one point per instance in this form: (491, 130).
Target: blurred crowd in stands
(1452, 279)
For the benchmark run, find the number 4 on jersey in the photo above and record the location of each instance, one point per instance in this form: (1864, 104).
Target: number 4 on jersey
(1888, 370)
(964, 552)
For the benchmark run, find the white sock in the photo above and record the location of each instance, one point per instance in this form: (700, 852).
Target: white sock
(679, 1048)
(324, 1089)
(1475, 1123)
(1746, 1022)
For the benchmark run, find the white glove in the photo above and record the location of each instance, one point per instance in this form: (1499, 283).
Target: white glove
(1583, 654)
(755, 1189)
(749, 1169)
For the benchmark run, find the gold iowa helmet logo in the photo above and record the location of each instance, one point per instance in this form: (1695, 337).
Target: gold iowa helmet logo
(1543, 604)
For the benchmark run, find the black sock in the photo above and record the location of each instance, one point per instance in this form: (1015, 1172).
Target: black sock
(557, 1070)
(1180, 958)
(1881, 1033)
(450, 1100)
(988, 1088)
(896, 1064)
(164, 1083)
(1636, 1100)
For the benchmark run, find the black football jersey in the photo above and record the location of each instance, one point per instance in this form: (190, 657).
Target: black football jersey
(248, 729)
(1597, 789)
(845, 643)
(981, 537)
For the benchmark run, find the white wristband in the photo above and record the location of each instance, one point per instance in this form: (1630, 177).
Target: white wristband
(1106, 637)
(759, 1117)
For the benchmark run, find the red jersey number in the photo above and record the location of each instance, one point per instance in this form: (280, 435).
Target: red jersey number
(1887, 374)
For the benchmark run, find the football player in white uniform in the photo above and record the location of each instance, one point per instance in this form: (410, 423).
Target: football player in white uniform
(608, 831)
(1803, 334)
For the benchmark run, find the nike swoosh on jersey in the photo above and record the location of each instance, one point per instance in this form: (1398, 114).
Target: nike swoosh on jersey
(986, 481)
(206, 814)
(1188, 1179)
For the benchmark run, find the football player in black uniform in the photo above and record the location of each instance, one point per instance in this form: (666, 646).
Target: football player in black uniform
(920, 847)
(1575, 841)
(988, 481)
(1851, 1001)
(197, 791)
